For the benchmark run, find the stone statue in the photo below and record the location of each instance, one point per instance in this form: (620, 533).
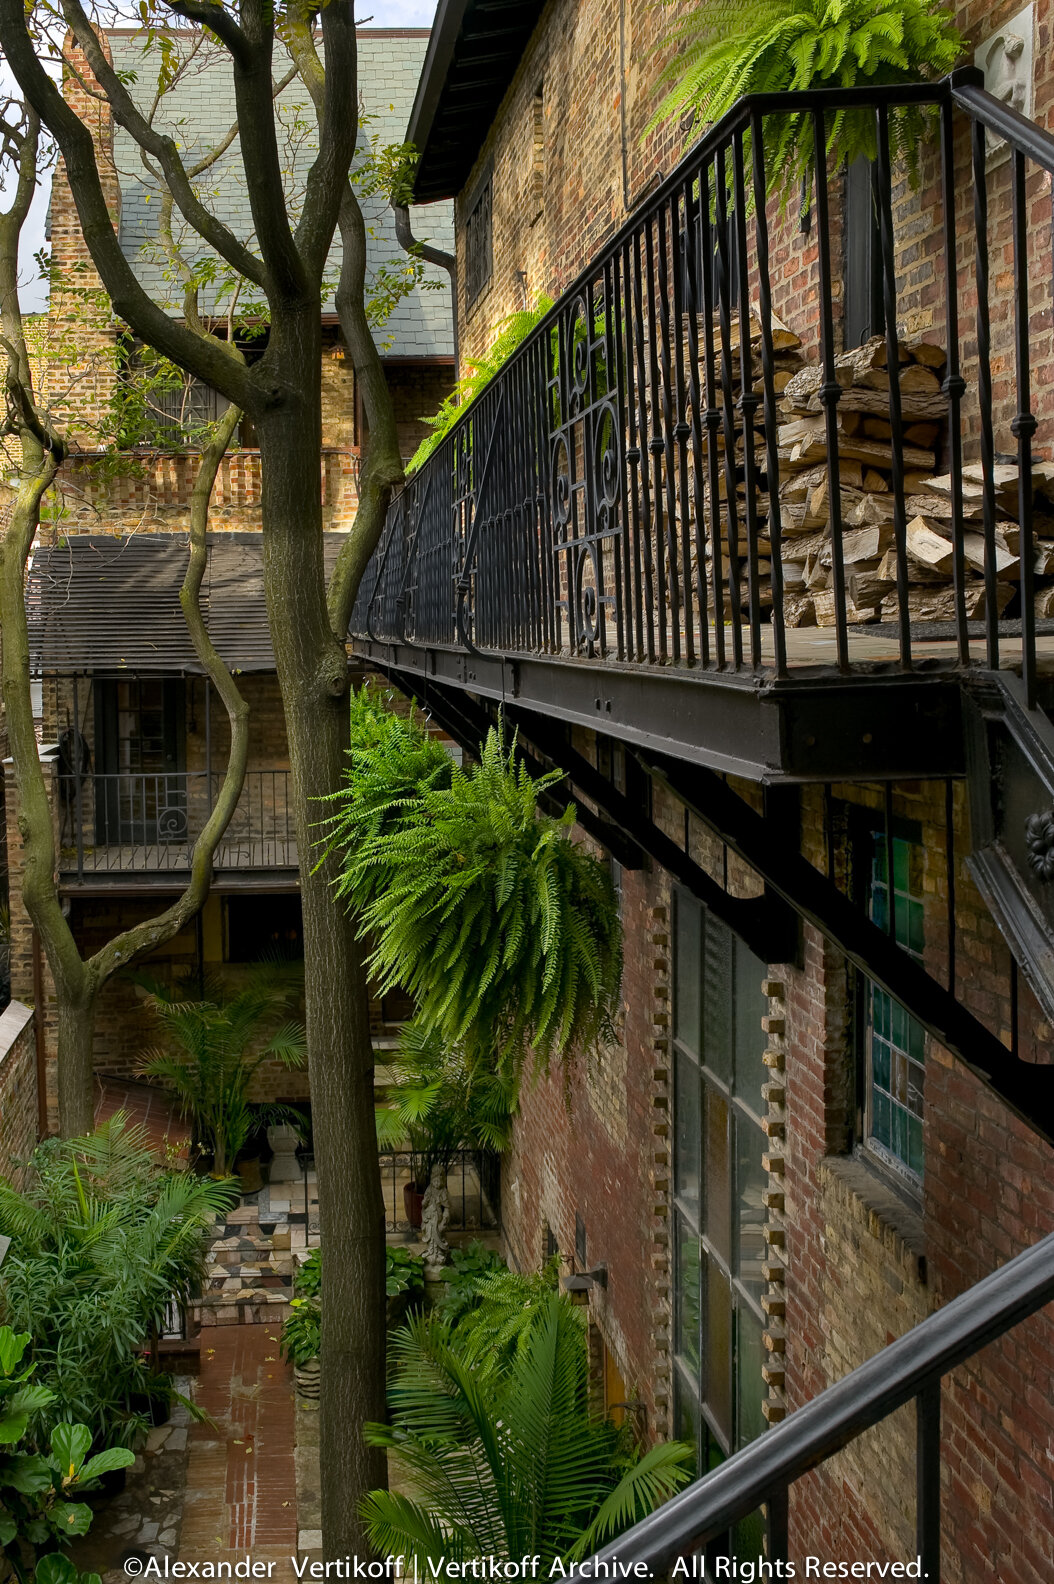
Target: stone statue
(435, 1217)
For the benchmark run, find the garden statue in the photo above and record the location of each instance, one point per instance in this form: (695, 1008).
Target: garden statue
(435, 1216)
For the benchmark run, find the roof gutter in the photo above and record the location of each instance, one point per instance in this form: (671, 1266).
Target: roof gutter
(438, 58)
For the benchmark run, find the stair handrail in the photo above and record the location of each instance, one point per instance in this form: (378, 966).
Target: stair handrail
(907, 1369)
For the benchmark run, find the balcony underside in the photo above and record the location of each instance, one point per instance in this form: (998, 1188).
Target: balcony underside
(816, 725)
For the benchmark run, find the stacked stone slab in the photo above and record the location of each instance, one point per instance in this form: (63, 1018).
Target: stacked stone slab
(865, 457)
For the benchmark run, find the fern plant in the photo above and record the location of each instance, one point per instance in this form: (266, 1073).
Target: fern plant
(503, 930)
(509, 1462)
(728, 50)
(512, 332)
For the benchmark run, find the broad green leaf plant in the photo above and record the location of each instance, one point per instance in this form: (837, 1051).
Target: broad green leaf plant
(727, 50)
(37, 1514)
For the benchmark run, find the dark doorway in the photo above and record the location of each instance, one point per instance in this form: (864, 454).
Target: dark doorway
(864, 313)
(140, 756)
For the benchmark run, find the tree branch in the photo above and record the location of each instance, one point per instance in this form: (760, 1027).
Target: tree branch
(130, 301)
(162, 149)
(337, 114)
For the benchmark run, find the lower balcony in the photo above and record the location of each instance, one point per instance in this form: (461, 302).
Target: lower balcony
(147, 824)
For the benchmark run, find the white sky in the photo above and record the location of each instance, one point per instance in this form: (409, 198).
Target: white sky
(371, 13)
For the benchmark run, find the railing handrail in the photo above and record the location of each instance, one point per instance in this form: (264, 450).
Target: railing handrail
(868, 1394)
(964, 86)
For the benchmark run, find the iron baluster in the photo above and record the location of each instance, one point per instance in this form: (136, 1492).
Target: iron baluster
(772, 460)
(896, 422)
(713, 413)
(1024, 427)
(665, 232)
(928, 1479)
(641, 434)
(984, 391)
(696, 510)
(656, 442)
(748, 401)
(954, 386)
(830, 391)
(727, 405)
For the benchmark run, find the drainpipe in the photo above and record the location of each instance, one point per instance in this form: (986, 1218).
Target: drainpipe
(431, 255)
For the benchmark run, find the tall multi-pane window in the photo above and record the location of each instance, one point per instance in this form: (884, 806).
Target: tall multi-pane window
(719, 1182)
(895, 1043)
(479, 246)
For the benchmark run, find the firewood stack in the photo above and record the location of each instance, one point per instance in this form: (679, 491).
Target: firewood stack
(788, 363)
(865, 467)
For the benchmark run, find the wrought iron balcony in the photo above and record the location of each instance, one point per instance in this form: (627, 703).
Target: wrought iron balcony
(613, 507)
(148, 824)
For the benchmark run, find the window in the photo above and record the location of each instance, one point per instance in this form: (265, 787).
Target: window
(894, 1042)
(479, 252)
(719, 1183)
(263, 928)
(162, 406)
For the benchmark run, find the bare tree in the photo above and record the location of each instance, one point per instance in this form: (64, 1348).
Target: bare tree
(41, 448)
(281, 393)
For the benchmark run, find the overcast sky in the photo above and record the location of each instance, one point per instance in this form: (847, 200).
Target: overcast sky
(371, 13)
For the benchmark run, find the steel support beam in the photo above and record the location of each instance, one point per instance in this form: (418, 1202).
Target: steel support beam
(1026, 1087)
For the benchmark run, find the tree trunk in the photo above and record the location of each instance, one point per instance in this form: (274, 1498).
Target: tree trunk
(76, 1036)
(313, 675)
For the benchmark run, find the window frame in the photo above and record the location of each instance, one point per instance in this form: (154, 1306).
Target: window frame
(483, 193)
(868, 826)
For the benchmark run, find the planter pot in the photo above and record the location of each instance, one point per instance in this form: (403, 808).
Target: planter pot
(413, 1200)
(250, 1175)
(283, 1140)
(308, 1379)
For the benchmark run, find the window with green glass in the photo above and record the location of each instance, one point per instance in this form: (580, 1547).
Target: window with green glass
(719, 1182)
(895, 1042)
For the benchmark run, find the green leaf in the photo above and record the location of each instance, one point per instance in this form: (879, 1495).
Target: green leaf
(107, 1460)
(13, 1427)
(56, 1569)
(29, 1475)
(70, 1444)
(12, 1347)
(8, 1529)
(71, 1518)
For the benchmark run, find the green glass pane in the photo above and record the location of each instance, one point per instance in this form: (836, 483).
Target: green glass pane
(880, 909)
(687, 1143)
(750, 1040)
(915, 1090)
(898, 1025)
(878, 865)
(879, 1062)
(751, 1181)
(915, 1155)
(717, 999)
(916, 1040)
(880, 1126)
(880, 1012)
(751, 1390)
(916, 938)
(719, 1350)
(901, 864)
(687, 1296)
(898, 1142)
(717, 1192)
(687, 965)
(686, 1411)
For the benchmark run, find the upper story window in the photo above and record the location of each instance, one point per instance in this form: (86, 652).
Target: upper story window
(162, 406)
(894, 1070)
(479, 241)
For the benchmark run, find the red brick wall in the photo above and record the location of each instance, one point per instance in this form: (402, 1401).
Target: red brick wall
(18, 1089)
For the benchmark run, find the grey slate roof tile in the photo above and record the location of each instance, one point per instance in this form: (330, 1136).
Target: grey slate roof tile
(200, 110)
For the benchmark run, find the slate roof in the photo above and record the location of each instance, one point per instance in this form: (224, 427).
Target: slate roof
(200, 110)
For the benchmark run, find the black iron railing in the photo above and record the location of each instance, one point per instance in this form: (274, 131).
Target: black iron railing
(473, 1182)
(911, 1369)
(137, 823)
(614, 493)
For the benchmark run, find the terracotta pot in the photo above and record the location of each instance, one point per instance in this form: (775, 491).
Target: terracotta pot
(413, 1199)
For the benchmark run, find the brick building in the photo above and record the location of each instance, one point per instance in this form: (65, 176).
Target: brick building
(829, 1114)
(134, 740)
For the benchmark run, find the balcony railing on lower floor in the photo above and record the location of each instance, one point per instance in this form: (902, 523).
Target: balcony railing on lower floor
(665, 475)
(146, 824)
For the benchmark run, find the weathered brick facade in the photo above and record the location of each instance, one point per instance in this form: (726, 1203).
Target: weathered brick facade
(18, 1089)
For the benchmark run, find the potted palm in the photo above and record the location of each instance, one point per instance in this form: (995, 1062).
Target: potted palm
(216, 1040)
(436, 1104)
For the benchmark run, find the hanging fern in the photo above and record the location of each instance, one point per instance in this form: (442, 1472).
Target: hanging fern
(732, 48)
(503, 929)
